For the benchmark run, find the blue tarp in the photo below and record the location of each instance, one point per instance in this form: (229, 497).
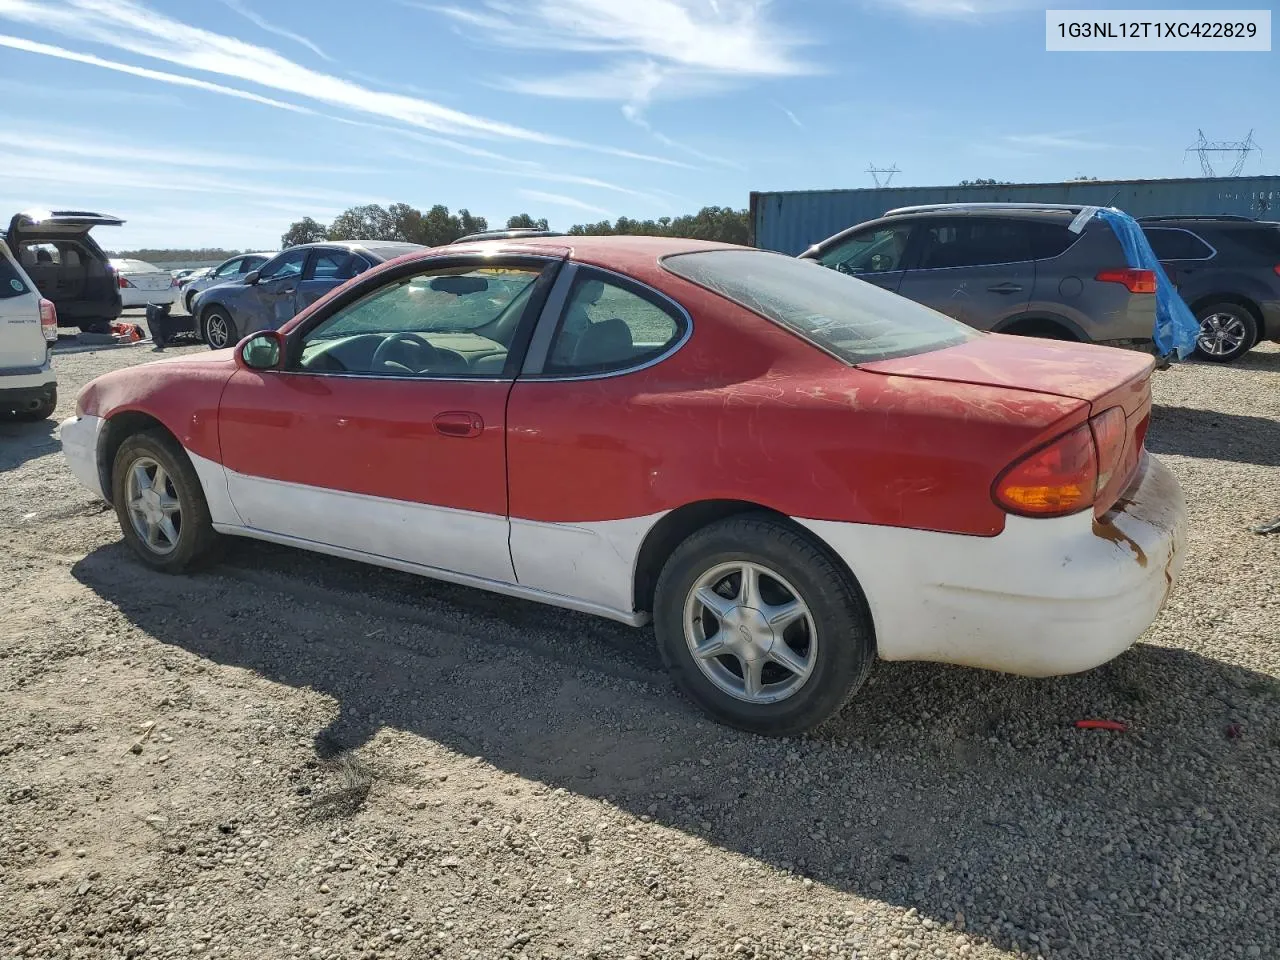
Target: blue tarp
(1176, 327)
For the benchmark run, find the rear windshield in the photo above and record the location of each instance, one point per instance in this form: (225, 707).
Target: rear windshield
(854, 320)
(135, 266)
(11, 282)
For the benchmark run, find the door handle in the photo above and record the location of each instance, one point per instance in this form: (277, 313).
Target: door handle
(1006, 288)
(289, 290)
(458, 423)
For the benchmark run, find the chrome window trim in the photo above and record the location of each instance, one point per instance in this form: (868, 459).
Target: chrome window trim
(425, 265)
(532, 371)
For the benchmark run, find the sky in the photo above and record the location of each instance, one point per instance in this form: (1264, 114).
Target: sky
(218, 123)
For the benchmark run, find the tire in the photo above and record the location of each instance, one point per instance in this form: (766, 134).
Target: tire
(218, 328)
(196, 542)
(46, 408)
(833, 640)
(1227, 332)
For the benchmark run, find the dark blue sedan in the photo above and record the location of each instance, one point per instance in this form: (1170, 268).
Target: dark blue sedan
(268, 297)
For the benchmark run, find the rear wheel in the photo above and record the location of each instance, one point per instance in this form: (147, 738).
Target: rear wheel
(160, 504)
(760, 628)
(41, 410)
(219, 329)
(1227, 332)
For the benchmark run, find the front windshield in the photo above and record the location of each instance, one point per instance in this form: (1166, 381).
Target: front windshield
(854, 320)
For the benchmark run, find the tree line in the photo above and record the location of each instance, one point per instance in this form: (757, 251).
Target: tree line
(438, 226)
(149, 254)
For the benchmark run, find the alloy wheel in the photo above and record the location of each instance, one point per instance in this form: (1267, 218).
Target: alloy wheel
(216, 333)
(154, 507)
(750, 632)
(1222, 334)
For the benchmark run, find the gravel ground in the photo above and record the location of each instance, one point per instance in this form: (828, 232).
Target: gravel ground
(294, 756)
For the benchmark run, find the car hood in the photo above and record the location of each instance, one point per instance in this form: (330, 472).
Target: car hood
(1097, 375)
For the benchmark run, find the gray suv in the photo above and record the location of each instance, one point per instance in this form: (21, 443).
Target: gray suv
(1008, 268)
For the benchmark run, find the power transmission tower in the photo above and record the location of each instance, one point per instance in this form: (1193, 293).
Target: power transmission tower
(1207, 150)
(886, 172)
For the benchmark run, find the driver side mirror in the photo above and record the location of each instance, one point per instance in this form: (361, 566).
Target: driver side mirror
(262, 351)
(252, 277)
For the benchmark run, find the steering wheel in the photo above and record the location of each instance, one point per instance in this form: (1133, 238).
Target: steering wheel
(384, 355)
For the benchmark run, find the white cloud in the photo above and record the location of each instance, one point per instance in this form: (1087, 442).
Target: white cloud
(732, 36)
(263, 24)
(30, 46)
(29, 167)
(956, 9)
(1054, 141)
(94, 144)
(128, 25)
(790, 116)
(560, 200)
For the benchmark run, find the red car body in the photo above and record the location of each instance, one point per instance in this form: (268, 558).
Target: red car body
(575, 489)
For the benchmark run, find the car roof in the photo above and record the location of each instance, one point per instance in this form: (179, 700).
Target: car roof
(619, 251)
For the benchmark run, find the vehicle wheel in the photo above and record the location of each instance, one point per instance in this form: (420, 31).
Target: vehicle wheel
(160, 504)
(46, 408)
(761, 628)
(219, 329)
(1227, 332)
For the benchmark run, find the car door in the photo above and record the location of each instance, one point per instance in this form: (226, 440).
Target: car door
(370, 441)
(1183, 255)
(327, 269)
(875, 254)
(274, 294)
(978, 270)
(593, 363)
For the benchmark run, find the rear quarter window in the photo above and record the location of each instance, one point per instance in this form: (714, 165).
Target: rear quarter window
(11, 282)
(856, 321)
(1266, 240)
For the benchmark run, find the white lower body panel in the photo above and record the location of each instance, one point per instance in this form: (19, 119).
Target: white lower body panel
(38, 377)
(79, 436)
(138, 297)
(1045, 597)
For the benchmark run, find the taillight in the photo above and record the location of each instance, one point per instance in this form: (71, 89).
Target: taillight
(1059, 478)
(1276, 268)
(122, 281)
(1067, 475)
(1138, 281)
(1109, 429)
(173, 282)
(49, 320)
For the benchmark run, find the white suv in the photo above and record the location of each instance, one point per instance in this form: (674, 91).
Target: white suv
(28, 326)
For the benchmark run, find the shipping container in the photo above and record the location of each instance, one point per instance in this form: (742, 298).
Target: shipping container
(790, 221)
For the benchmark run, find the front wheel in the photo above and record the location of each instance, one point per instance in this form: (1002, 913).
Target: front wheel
(1227, 332)
(160, 504)
(219, 329)
(760, 627)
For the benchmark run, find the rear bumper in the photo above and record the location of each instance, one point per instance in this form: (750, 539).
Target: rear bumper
(79, 437)
(140, 298)
(1043, 598)
(27, 380)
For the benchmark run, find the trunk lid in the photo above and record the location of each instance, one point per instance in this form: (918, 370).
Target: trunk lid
(1100, 376)
(38, 224)
(143, 275)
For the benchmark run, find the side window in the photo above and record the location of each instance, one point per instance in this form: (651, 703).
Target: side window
(439, 324)
(972, 242)
(606, 327)
(876, 251)
(334, 265)
(285, 265)
(250, 264)
(1174, 244)
(11, 284)
(232, 268)
(38, 254)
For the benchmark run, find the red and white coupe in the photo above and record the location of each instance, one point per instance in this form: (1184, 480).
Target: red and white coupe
(791, 471)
